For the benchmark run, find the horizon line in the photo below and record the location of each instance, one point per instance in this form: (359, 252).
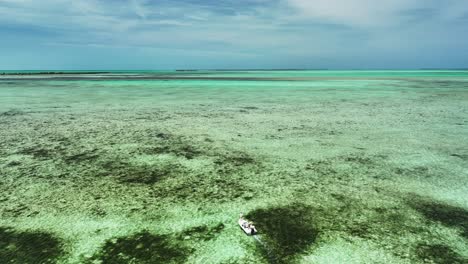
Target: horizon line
(233, 69)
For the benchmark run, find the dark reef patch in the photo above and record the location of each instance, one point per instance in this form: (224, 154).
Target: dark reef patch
(13, 163)
(143, 247)
(175, 179)
(165, 143)
(28, 247)
(163, 135)
(12, 112)
(322, 167)
(358, 218)
(250, 107)
(39, 152)
(347, 215)
(289, 230)
(15, 210)
(203, 232)
(235, 159)
(358, 160)
(222, 182)
(85, 156)
(420, 171)
(461, 156)
(160, 160)
(438, 254)
(208, 187)
(446, 214)
(145, 174)
(179, 150)
(381, 222)
(232, 162)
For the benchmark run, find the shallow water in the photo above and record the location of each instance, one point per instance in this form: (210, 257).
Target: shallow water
(364, 166)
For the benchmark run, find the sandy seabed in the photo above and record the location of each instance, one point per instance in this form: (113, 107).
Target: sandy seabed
(332, 169)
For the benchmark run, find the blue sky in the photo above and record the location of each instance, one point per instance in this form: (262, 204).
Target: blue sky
(165, 34)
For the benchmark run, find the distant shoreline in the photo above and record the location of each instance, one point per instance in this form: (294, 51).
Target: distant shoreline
(89, 72)
(51, 72)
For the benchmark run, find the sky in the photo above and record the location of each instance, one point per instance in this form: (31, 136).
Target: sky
(237, 34)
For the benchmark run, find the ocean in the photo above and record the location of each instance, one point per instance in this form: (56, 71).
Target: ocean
(156, 166)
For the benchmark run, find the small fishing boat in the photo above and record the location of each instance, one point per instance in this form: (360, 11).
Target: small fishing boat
(247, 226)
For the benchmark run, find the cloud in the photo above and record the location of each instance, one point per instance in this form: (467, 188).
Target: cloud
(363, 13)
(375, 14)
(139, 8)
(288, 30)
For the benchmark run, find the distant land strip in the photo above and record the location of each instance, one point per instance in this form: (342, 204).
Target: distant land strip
(169, 78)
(51, 73)
(286, 69)
(161, 77)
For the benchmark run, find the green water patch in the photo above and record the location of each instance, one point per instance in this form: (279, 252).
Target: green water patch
(437, 253)
(143, 247)
(24, 247)
(289, 230)
(448, 215)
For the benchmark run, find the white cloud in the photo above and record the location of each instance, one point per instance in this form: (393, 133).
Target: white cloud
(373, 13)
(350, 12)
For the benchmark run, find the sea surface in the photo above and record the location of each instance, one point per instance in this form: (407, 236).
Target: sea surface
(156, 166)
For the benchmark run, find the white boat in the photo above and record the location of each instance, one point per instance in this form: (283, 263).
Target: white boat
(247, 227)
